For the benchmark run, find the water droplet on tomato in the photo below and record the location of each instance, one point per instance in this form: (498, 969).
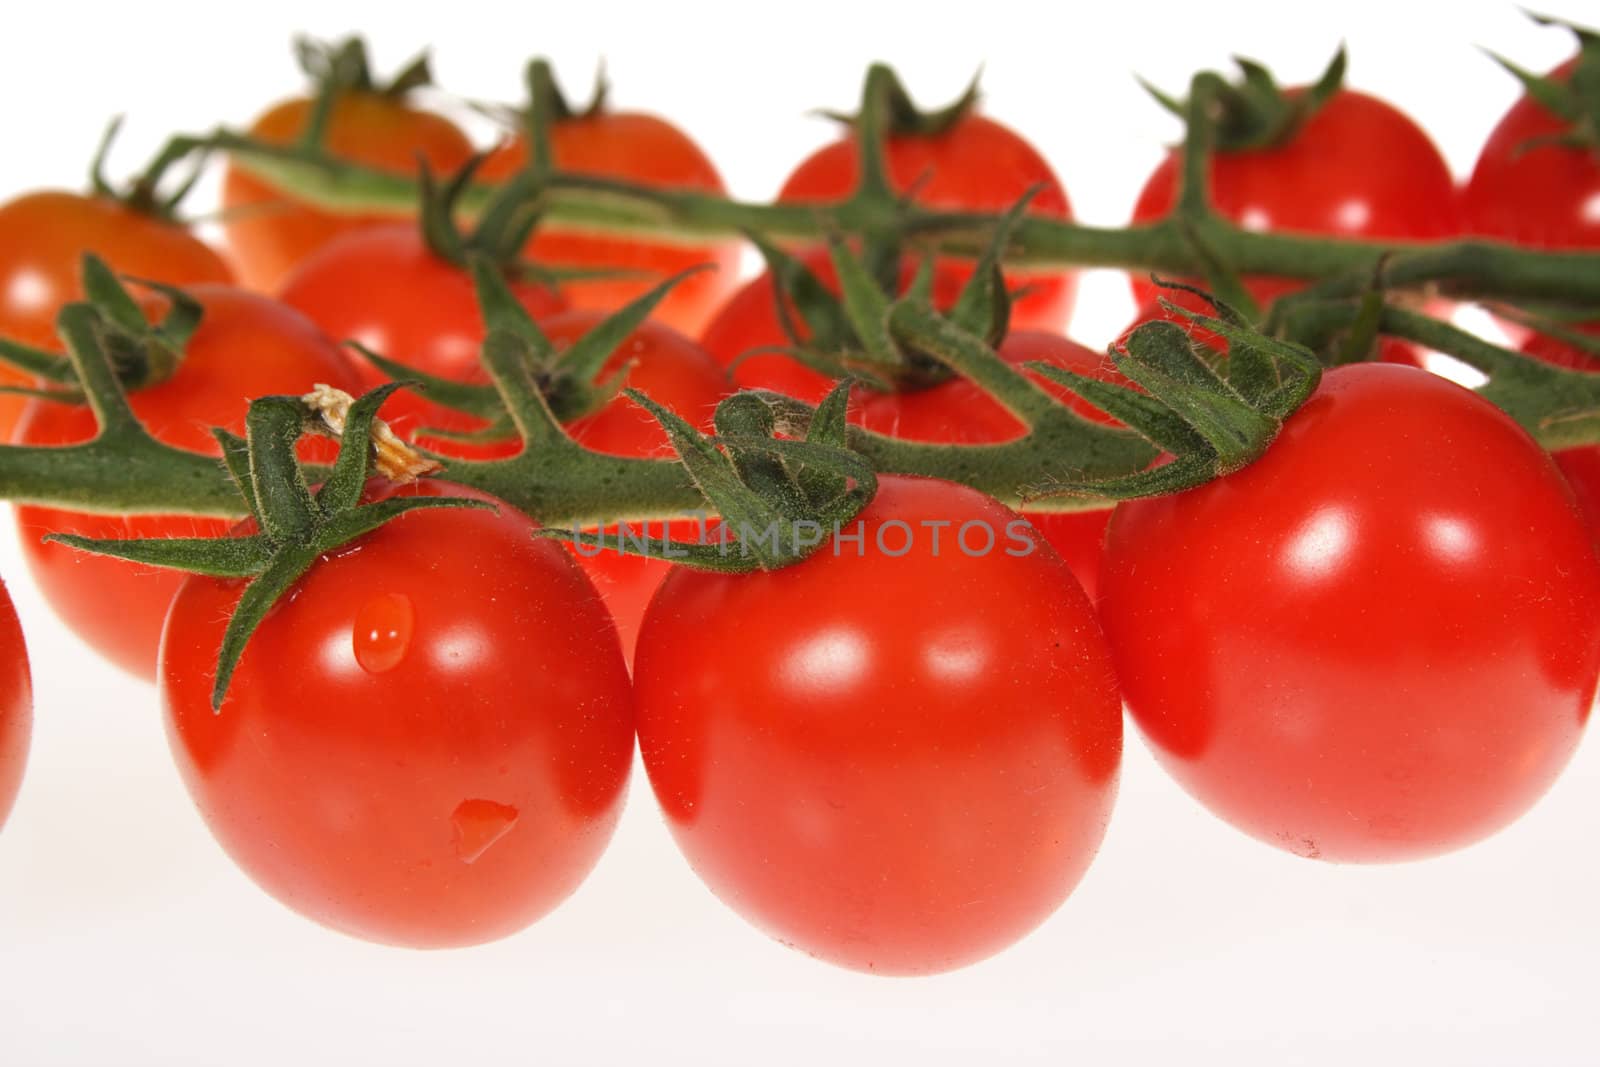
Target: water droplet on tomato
(382, 632)
(479, 824)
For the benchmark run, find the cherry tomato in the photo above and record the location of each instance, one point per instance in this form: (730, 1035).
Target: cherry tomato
(1529, 190)
(246, 346)
(1357, 168)
(43, 237)
(428, 740)
(383, 286)
(269, 233)
(975, 165)
(16, 704)
(636, 148)
(895, 762)
(1581, 466)
(1379, 641)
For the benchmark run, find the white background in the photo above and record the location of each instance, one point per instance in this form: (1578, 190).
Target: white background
(126, 937)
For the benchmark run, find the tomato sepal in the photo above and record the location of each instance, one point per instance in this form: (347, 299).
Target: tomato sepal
(295, 525)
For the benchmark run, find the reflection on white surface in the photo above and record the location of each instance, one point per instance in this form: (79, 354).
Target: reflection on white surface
(1318, 547)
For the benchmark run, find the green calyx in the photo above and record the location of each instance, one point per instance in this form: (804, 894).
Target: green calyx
(344, 67)
(883, 91)
(571, 382)
(1558, 406)
(338, 68)
(501, 230)
(144, 194)
(1575, 99)
(848, 333)
(296, 524)
(779, 498)
(1254, 112)
(140, 353)
(1213, 415)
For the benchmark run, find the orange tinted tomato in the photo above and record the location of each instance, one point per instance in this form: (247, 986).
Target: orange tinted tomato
(43, 237)
(246, 346)
(268, 233)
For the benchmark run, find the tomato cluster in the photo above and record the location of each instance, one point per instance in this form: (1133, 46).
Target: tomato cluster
(899, 752)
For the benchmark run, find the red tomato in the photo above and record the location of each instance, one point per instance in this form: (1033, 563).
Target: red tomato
(16, 704)
(246, 346)
(894, 762)
(975, 165)
(269, 233)
(383, 286)
(428, 739)
(1530, 191)
(650, 151)
(1377, 642)
(1357, 168)
(1581, 466)
(43, 237)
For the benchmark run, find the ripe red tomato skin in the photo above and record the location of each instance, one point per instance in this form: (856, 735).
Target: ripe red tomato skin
(343, 791)
(118, 607)
(383, 287)
(832, 766)
(640, 148)
(1357, 168)
(977, 164)
(16, 704)
(1354, 667)
(43, 237)
(268, 233)
(1529, 193)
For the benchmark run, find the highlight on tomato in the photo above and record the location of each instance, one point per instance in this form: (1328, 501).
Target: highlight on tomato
(203, 375)
(352, 117)
(447, 697)
(953, 159)
(1320, 159)
(16, 704)
(1353, 648)
(598, 141)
